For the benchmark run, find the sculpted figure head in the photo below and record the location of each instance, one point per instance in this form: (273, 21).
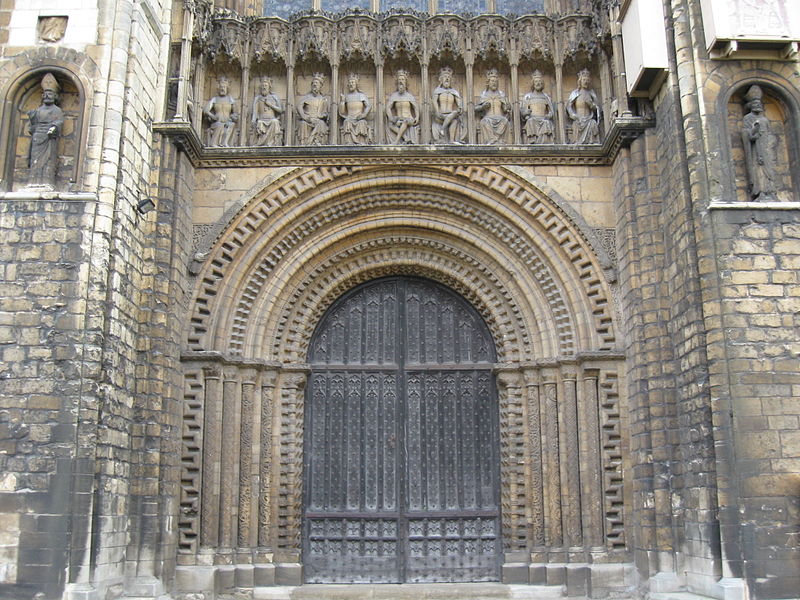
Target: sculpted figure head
(754, 99)
(538, 81)
(266, 85)
(445, 76)
(584, 79)
(50, 89)
(223, 84)
(492, 79)
(316, 83)
(401, 79)
(352, 82)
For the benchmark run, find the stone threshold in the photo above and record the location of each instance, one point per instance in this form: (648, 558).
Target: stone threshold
(412, 591)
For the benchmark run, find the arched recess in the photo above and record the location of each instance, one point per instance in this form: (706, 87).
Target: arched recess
(780, 110)
(518, 255)
(22, 93)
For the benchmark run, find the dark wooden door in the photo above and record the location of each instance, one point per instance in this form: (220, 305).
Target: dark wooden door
(401, 468)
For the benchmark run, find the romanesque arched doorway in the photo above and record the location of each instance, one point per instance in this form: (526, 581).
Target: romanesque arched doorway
(401, 468)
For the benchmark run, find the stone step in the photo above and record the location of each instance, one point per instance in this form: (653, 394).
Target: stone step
(412, 591)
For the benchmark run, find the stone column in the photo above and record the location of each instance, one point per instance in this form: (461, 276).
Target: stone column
(380, 101)
(425, 106)
(212, 430)
(266, 402)
(516, 122)
(552, 473)
(571, 478)
(229, 477)
(249, 419)
(469, 101)
(185, 65)
(591, 479)
(534, 425)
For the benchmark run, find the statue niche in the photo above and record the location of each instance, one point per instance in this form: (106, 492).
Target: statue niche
(583, 110)
(222, 115)
(265, 120)
(354, 108)
(759, 148)
(313, 110)
(537, 113)
(402, 112)
(448, 108)
(45, 124)
(494, 109)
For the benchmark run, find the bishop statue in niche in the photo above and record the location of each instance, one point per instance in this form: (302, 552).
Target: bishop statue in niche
(45, 124)
(759, 148)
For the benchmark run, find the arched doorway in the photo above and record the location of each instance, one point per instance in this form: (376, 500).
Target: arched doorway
(401, 468)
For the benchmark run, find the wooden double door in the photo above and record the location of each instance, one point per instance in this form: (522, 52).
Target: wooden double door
(401, 459)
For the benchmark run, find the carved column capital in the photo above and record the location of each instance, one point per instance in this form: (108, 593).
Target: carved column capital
(212, 371)
(532, 377)
(509, 378)
(295, 378)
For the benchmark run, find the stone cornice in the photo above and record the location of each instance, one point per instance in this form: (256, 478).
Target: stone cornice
(622, 132)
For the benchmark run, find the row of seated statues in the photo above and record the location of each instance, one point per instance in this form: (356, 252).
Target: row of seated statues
(403, 117)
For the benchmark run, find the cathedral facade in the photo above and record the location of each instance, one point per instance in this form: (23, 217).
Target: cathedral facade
(472, 298)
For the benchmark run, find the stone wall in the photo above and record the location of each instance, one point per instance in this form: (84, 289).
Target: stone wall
(49, 388)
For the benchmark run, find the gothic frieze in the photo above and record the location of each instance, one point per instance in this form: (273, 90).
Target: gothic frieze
(345, 71)
(314, 38)
(227, 39)
(357, 37)
(534, 37)
(401, 34)
(268, 39)
(491, 36)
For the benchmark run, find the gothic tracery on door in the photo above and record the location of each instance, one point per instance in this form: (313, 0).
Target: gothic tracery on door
(401, 460)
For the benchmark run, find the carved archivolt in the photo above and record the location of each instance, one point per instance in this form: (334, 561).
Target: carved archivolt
(291, 250)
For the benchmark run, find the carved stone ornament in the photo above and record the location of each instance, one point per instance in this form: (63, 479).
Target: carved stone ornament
(203, 11)
(228, 39)
(446, 34)
(313, 37)
(269, 39)
(401, 35)
(357, 38)
(491, 35)
(534, 37)
(52, 29)
(578, 35)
